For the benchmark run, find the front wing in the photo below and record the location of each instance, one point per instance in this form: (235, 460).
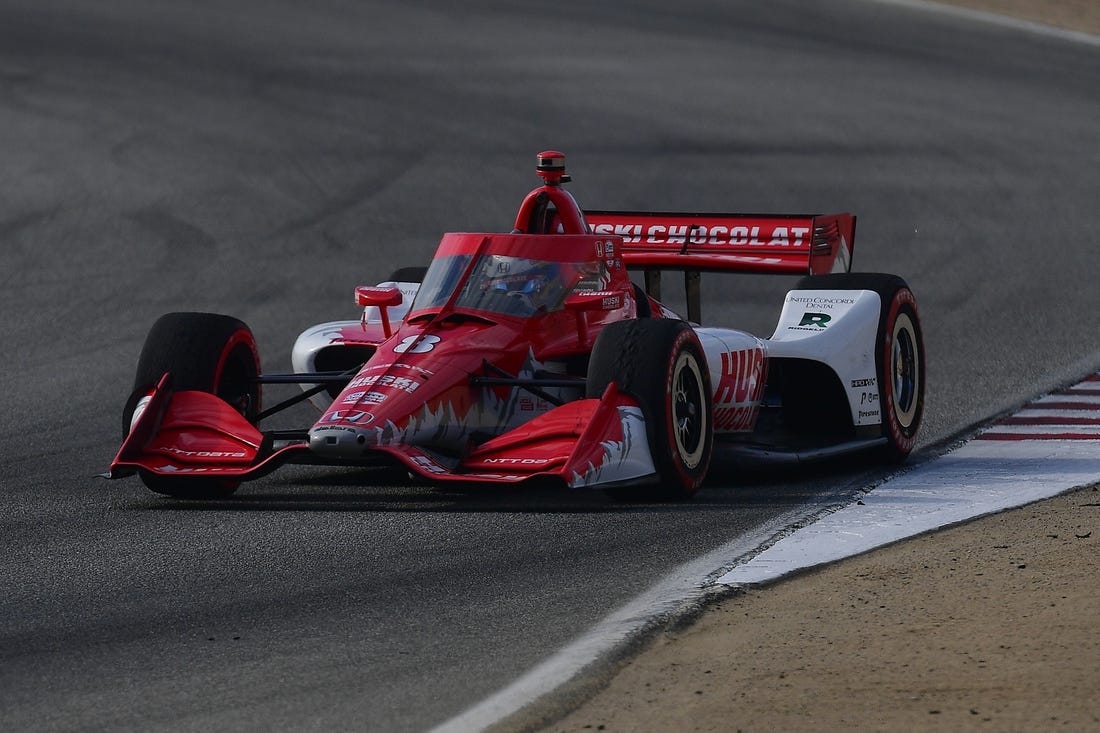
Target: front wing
(586, 443)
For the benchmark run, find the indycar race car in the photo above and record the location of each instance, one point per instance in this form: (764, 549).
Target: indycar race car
(531, 354)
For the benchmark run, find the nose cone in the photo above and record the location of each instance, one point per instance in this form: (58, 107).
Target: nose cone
(341, 441)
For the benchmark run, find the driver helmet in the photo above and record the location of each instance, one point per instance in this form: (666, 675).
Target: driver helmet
(523, 276)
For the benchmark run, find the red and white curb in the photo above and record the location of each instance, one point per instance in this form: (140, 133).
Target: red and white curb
(1050, 446)
(1072, 414)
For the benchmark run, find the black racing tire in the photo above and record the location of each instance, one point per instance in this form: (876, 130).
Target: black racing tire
(899, 354)
(205, 352)
(660, 363)
(413, 274)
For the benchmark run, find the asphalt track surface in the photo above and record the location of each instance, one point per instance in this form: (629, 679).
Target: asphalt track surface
(262, 159)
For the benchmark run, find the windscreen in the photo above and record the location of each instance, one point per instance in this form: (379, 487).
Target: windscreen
(440, 281)
(515, 286)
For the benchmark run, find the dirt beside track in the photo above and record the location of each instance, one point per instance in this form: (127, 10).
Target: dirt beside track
(1077, 15)
(991, 625)
(987, 626)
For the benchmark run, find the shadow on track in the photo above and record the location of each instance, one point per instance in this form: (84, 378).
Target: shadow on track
(826, 483)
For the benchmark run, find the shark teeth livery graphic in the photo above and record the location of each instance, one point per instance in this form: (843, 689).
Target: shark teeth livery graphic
(619, 460)
(447, 423)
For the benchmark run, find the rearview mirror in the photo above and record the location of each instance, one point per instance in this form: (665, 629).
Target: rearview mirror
(380, 297)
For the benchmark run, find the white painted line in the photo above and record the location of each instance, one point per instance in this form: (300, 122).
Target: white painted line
(995, 19)
(1083, 401)
(1035, 412)
(1039, 430)
(1053, 417)
(1008, 465)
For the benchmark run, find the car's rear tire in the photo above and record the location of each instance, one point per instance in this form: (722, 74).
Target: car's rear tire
(660, 363)
(899, 354)
(205, 352)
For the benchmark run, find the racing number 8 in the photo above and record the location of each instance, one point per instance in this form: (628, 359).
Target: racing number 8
(416, 344)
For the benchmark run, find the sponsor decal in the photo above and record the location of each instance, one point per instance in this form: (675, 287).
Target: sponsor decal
(869, 382)
(868, 398)
(375, 398)
(868, 413)
(609, 299)
(413, 367)
(734, 418)
(533, 404)
(425, 373)
(787, 237)
(742, 379)
(814, 320)
(427, 464)
(384, 380)
(169, 468)
(739, 390)
(822, 302)
(518, 461)
(358, 417)
(204, 453)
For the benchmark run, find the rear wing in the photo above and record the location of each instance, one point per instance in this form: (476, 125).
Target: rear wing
(759, 243)
(810, 244)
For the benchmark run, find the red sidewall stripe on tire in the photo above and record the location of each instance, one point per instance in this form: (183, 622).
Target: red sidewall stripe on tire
(684, 340)
(903, 441)
(241, 336)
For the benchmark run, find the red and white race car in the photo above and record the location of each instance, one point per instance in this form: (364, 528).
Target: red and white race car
(532, 354)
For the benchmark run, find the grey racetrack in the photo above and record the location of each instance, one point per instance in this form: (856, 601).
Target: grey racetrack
(262, 158)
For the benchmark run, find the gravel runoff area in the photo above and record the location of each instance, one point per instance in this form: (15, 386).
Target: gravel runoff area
(991, 625)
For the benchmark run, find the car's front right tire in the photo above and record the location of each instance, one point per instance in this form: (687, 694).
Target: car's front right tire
(205, 352)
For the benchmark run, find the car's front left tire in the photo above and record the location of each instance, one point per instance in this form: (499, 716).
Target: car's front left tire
(660, 363)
